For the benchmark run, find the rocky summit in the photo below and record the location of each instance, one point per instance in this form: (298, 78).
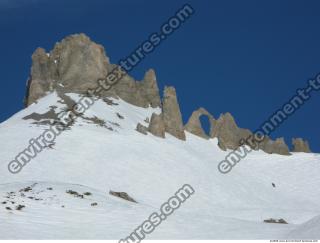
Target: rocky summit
(76, 64)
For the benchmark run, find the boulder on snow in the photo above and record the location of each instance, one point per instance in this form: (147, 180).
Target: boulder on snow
(275, 221)
(142, 129)
(122, 195)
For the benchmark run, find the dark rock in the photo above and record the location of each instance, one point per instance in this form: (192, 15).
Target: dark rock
(142, 129)
(275, 221)
(20, 207)
(123, 196)
(120, 116)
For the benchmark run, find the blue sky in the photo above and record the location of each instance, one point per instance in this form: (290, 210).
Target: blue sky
(244, 57)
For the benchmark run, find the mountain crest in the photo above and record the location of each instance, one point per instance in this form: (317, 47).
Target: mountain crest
(76, 64)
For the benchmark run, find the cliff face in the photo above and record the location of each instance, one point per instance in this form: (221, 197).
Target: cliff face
(76, 64)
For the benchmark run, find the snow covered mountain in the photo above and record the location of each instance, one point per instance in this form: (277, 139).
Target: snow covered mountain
(63, 192)
(91, 158)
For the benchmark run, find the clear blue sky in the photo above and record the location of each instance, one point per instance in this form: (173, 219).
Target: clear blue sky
(244, 57)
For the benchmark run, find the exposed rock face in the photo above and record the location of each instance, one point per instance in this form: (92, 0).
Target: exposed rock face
(172, 115)
(141, 94)
(75, 64)
(278, 146)
(300, 145)
(228, 133)
(194, 124)
(156, 126)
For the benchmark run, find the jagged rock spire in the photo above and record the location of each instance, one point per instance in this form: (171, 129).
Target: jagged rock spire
(171, 114)
(300, 145)
(151, 89)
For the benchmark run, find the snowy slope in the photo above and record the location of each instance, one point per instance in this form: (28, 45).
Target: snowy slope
(92, 158)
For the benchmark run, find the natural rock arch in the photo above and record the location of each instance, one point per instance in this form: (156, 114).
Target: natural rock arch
(194, 125)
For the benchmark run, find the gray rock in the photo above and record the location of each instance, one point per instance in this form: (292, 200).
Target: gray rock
(194, 124)
(300, 145)
(228, 133)
(142, 129)
(156, 126)
(172, 115)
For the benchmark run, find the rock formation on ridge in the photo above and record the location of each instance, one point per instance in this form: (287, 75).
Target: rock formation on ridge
(76, 64)
(300, 145)
(194, 124)
(171, 114)
(228, 133)
(278, 146)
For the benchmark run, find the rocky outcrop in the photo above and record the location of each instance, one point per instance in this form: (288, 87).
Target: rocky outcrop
(300, 145)
(156, 126)
(76, 64)
(143, 94)
(194, 124)
(172, 115)
(142, 129)
(42, 74)
(228, 133)
(150, 90)
(278, 146)
(122, 195)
